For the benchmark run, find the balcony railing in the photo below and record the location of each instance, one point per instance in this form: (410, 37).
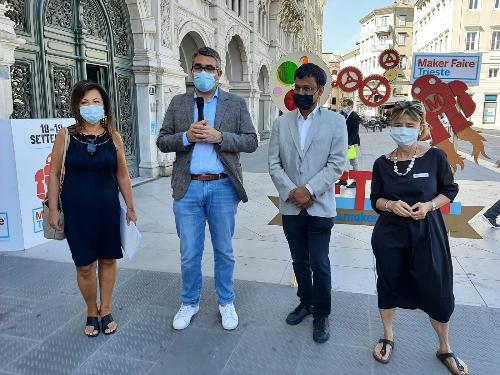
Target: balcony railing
(381, 47)
(383, 29)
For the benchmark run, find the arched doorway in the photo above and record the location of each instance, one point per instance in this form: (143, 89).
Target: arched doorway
(235, 62)
(190, 44)
(71, 40)
(264, 103)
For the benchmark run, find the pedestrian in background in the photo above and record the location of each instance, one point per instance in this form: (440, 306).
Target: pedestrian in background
(307, 154)
(207, 180)
(352, 120)
(410, 241)
(95, 171)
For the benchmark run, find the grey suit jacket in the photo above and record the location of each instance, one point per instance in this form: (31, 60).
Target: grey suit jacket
(231, 118)
(319, 165)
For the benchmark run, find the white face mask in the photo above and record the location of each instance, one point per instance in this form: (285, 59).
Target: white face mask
(405, 137)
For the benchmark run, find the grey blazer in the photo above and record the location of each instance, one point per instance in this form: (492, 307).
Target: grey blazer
(319, 165)
(231, 118)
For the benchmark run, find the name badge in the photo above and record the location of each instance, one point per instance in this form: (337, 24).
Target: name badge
(420, 175)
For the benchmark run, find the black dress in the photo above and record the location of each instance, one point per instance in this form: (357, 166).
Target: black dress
(413, 257)
(90, 201)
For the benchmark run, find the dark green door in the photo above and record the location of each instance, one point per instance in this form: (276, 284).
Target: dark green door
(71, 40)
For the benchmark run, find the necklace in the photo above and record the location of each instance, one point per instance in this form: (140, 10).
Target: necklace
(91, 146)
(410, 166)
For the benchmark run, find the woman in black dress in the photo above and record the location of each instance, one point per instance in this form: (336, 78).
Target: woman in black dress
(94, 172)
(409, 240)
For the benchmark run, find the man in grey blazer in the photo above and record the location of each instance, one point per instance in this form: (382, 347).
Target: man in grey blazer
(307, 154)
(207, 131)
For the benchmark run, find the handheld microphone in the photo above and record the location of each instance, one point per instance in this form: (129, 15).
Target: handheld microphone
(200, 103)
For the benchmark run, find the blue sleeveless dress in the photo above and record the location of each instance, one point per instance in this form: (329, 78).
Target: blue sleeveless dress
(90, 200)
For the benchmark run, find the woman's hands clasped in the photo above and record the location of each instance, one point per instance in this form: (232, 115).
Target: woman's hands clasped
(417, 212)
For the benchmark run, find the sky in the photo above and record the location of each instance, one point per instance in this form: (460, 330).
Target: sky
(341, 25)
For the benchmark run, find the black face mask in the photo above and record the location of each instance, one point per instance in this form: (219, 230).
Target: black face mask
(303, 102)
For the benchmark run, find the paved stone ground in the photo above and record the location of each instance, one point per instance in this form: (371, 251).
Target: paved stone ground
(41, 318)
(42, 313)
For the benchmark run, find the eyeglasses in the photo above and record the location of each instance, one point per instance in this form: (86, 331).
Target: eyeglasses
(306, 90)
(198, 68)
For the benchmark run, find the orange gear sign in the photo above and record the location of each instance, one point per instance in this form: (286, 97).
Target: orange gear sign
(389, 59)
(375, 90)
(349, 79)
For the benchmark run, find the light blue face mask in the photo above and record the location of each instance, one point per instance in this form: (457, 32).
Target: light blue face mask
(405, 137)
(204, 81)
(92, 113)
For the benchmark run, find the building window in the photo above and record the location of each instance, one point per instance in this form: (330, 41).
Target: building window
(384, 21)
(402, 20)
(403, 62)
(473, 4)
(497, 4)
(402, 39)
(495, 40)
(471, 41)
(490, 109)
(493, 73)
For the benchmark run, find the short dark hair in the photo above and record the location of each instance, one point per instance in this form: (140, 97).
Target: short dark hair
(79, 91)
(210, 52)
(311, 70)
(349, 102)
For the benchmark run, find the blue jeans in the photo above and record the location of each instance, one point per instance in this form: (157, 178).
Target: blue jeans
(215, 202)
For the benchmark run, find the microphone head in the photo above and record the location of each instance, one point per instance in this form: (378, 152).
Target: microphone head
(200, 100)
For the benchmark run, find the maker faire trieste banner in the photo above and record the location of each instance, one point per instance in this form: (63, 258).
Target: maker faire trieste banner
(25, 151)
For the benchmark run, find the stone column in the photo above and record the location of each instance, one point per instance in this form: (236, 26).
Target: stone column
(8, 43)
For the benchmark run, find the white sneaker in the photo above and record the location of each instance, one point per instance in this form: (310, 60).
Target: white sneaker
(229, 316)
(183, 317)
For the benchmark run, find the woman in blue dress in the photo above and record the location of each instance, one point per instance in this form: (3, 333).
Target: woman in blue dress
(95, 171)
(410, 240)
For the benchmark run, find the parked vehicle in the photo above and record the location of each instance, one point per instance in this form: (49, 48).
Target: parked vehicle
(374, 124)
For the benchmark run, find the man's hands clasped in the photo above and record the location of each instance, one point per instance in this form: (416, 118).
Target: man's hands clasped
(301, 197)
(201, 132)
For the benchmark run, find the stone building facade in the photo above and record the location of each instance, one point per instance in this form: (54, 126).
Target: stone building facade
(141, 50)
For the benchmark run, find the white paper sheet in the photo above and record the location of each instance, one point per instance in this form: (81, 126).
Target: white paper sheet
(130, 235)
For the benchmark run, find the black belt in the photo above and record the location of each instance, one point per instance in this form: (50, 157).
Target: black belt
(208, 177)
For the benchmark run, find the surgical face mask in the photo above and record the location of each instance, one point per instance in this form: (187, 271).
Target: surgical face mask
(303, 102)
(92, 114)
(345, 110)
(204, 81)
(405, 137)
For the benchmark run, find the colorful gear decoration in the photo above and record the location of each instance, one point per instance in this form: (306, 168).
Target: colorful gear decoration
(349, 79)
(389, 59)
(391, 74)
(370, 90)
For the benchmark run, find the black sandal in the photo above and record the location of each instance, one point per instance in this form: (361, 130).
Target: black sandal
(92, 322)
(383, 351)
(105, 322)
(443, 358)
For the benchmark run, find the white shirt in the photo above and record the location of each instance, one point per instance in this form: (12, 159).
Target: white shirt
(304, 127)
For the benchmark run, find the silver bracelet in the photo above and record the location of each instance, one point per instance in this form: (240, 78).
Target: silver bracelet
(387, 206)
(434, 205)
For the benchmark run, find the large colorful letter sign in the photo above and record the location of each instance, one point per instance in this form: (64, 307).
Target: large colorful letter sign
(359, 211)
(283, 79)
(442, 98)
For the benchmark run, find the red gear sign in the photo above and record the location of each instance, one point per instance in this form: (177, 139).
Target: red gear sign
(389, 59)
(370, 89)
(42, 179)
(349, 79)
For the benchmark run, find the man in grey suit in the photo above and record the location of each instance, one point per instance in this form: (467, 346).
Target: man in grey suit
(207, 131)
(307, 154)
